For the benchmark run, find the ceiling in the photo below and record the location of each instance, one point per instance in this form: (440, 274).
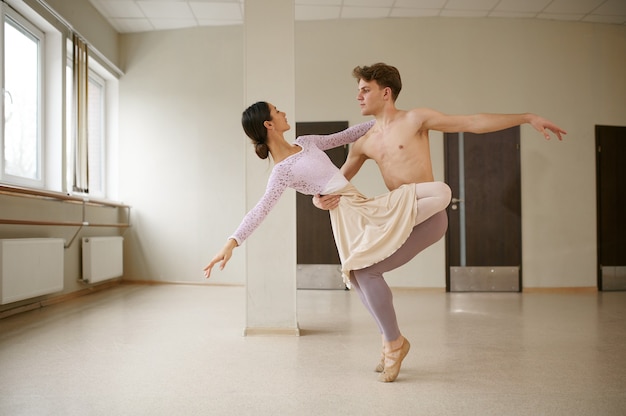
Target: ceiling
(148, 15)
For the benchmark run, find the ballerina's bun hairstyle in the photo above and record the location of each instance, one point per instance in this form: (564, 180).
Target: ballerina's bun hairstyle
(252, 121)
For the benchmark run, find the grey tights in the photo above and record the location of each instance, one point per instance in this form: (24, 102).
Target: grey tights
(370, 284)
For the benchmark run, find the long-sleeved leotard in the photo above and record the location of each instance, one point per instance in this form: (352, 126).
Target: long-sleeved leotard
(308, 171)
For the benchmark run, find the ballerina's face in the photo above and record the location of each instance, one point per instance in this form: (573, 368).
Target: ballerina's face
(279, 119)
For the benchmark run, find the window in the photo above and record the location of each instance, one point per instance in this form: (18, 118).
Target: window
(21, 132)
(96, 129)
(96, 134)
(37, 140)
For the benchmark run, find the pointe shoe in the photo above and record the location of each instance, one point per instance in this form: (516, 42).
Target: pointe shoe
(393, 361)
(380, 367)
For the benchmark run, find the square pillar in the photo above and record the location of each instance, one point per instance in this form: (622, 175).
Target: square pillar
(271, 250)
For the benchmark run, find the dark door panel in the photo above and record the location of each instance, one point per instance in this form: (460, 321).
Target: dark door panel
(317, 256)
(484, 251)
(611, 204)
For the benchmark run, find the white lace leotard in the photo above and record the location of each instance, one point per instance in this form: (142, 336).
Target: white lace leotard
(309, 171)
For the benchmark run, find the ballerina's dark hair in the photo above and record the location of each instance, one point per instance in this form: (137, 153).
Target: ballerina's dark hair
(252, 121)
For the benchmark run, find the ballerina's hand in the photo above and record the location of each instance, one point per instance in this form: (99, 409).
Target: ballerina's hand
(221, 257)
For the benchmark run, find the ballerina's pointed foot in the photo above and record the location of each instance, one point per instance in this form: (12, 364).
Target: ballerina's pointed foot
(380, 367)
(393, 361)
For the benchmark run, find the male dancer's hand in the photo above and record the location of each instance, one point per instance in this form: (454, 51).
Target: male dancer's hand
(326, 202)
(541, 125)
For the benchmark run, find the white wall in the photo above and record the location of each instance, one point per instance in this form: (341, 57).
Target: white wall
(89, 23)
(183, 150)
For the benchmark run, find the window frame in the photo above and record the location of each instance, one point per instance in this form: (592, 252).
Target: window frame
(22, 24)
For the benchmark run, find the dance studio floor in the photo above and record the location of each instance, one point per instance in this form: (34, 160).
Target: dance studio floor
(178, 350)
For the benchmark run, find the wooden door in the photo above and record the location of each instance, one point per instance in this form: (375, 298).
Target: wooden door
(484, 238)
(318, 264)
(611, 203)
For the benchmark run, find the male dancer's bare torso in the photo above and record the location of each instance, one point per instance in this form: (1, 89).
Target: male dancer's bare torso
(401, 151)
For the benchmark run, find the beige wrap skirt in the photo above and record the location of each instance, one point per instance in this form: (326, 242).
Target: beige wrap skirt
(368, 230)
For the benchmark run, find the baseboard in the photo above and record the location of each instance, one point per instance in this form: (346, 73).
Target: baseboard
(419, 289)
(247, 332)
(177, 282)
(576, 289)
(52, 300)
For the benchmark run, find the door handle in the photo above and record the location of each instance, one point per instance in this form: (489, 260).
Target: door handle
(454, 202)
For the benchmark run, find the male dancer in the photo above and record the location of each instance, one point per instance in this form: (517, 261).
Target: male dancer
(399, 144)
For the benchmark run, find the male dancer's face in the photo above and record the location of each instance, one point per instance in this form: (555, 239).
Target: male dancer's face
(371, 97)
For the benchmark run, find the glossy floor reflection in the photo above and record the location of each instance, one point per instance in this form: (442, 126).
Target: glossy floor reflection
(179, 350)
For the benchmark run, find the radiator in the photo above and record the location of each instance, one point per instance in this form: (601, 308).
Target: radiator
(102, 258)
(30, 267)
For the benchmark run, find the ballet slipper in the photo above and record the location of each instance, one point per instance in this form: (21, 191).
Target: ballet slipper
(393, 361)
(380, 367)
